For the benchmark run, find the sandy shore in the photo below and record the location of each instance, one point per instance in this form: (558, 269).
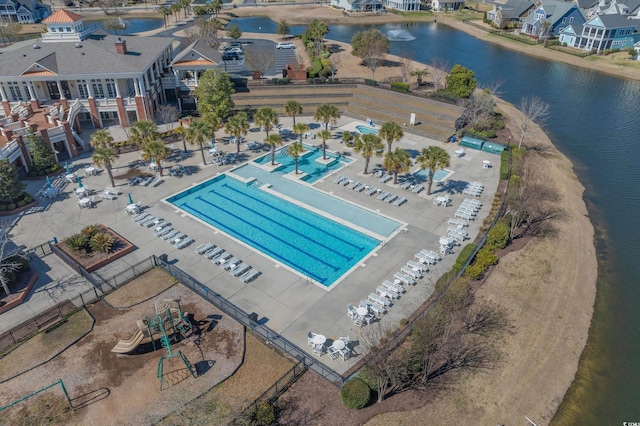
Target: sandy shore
(547, 289)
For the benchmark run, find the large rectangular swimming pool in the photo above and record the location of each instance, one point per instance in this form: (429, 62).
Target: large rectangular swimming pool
(309, 243)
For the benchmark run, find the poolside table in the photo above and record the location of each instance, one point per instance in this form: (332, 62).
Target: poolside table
(338, 344)
(319, 339)
(362, 311)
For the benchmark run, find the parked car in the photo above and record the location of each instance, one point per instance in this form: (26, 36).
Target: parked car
(234, 44)
(285, 45)
(230, 56)
(233, 49)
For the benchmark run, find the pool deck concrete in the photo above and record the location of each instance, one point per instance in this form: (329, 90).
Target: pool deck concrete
(283, 300)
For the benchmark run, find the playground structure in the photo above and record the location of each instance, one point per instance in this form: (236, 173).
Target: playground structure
(168, 322)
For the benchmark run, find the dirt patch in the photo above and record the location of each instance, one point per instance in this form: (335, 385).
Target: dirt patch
(110, 388)
(142, 288)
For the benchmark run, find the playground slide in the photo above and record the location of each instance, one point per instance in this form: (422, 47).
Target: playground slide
(125, 346)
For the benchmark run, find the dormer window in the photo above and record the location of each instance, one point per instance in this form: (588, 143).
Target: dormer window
(68, 29)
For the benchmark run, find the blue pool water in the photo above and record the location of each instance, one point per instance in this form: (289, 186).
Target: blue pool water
(306, 164)
(367, 130)
(305, 241)
(333, 206)
(438, 176)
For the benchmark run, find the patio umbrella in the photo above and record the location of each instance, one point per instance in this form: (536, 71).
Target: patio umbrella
(212, 143)
(130, 199)
(49, 182)
(66, 166)
(79, 182)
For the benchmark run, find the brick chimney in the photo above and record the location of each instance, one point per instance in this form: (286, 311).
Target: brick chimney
(121, 46)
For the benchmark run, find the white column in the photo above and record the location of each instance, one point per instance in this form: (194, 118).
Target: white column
(90, 89)
(62, 96)
(136, 86)
(32, 93)
(195, 75)
(117, 83)
(3, 93)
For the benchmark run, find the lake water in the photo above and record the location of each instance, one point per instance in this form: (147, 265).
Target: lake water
(595, 122)
(133, 25)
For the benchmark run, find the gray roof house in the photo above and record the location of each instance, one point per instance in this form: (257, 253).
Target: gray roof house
(550, 17)
(23, 11)
(88, 77)
(510, 13)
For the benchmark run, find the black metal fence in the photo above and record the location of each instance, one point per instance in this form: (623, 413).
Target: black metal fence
(251, 321)
(40, 250)
(100, 287)
(273, 393)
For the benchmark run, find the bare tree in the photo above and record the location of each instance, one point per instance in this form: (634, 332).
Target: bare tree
(375, 54)
(260, 60)
(481, 105)
(531, 198)
(8, 257)
(334, 65)
(372, 339)
(405, 66)
(534, 110)
(167, 114)
(438, 73)
(204, 30)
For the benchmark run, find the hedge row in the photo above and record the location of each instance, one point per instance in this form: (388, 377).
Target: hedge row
(14, 204)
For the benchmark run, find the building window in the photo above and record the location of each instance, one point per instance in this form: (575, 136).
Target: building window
(111, 87)
(53, 29)
(83, 91)
(98, 90)
(68, 29)
(564, 20)
(571, 19)
(16, 93)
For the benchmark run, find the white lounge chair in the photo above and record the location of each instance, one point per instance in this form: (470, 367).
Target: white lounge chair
(387, 293)
(383, 195)
(203, 248)
(400, 201)
(163, 231)
(170, 235)
(108, 196)
(379, 300)
(184, 243)
(222, 258)
(230, 264)
(177, 238)
(310, 337)
(371, 190)
(404, 279)
(240, 269)
(212, 253)
(397, 289)
(410, 272)
(416, 189)
(417, 266)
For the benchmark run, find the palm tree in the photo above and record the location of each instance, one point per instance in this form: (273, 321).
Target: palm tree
(181, 131)
(419, 75)
(216, 6)
(156, 150)
(143, 132)
(327, 113)
(293, 108)
(104, 156)
(237, 125)
(397, 161)
(391, 132)
(175, 9)
(300, 129)
(324, 135)
(164, 11)
(295, 150)
(185, 4)
(266, 117)
(273, 141)
(368, 146)
(433, 158)
(199, 133)
(101, 138)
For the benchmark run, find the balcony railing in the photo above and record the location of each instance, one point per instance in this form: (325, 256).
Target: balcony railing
(9, 149)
